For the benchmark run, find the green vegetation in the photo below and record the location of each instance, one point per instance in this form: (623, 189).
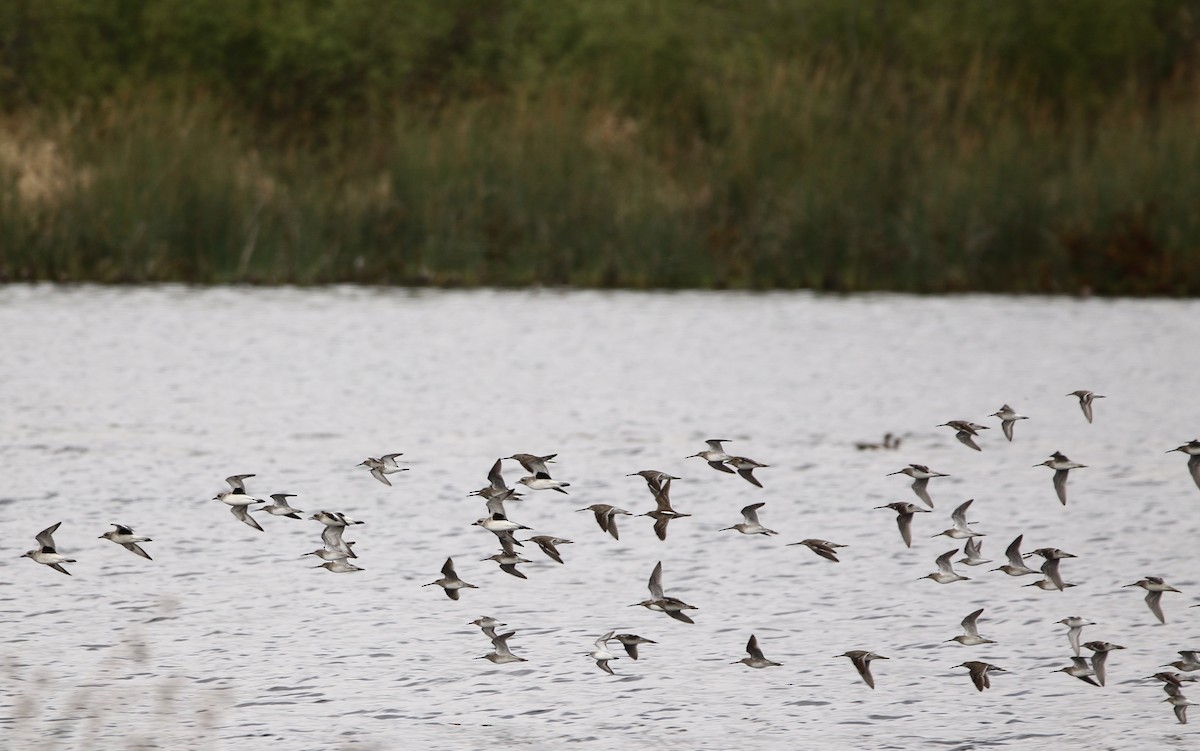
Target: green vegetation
(923, 145)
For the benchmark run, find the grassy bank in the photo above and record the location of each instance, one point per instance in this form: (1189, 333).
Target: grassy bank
(884, 165)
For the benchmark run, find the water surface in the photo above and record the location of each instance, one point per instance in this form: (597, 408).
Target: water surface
(131, 405)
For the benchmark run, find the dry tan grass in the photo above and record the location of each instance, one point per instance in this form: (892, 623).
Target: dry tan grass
(36, 166)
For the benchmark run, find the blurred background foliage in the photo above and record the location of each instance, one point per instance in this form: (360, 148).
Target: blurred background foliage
(924, 145)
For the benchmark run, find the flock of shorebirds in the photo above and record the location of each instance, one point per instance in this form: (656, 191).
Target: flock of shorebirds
(338, 555)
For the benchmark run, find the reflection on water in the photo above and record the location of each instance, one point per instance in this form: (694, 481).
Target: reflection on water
(130, 406)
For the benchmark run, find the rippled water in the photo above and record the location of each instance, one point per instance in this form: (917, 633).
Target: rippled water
(131, 405)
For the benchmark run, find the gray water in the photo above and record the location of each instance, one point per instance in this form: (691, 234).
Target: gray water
(131, 406)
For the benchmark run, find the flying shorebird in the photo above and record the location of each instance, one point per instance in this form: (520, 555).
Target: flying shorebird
(631, 642)
(46, 553)
(1080, 669)
(1173, 682)
(125, 537)
(534, 482)
(921, 476)
(960, 531)
(1049, 568)
(237, 486)
(1008, 418)
(979, 672)
(1100, 656)
(533, 464)
(238, 499)
(331, 536)
(497, 524)
(1016, 562)
(601, 654)
(1050, 553)
(606, 517)
(1188, 664)
(659, 602)
(332, 554)
(751, 525)
(823, 548)
(1085, 401)
(450, 581)
(334, 519)
(904, 515)
(973, 551)
(756, 659)
(487, 625)
(339, 566)
(508, 559)
(280, 507)
(945, 573)
(501, 655)
(1192, 449)
(496, 488)
(1074, 626)
(383, 466)
(715, 455)
(1180, 703)
(653, 478)
(861, 660)
(662, 513)
(1061, 466)
(548, 544)
(970, 636)
(1175, 679)
(745, 468)
(1154, 586)
(1048, 586)
(964, 432)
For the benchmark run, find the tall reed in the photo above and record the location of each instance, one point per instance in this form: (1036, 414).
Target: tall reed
(810, 175)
